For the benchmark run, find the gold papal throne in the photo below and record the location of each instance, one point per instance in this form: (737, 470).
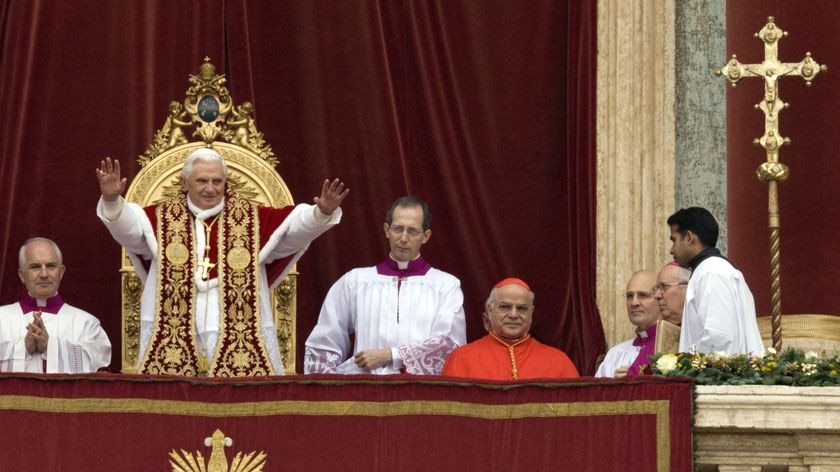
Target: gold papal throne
(209, 115)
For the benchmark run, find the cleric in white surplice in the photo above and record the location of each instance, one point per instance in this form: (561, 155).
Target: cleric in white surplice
(40, 333)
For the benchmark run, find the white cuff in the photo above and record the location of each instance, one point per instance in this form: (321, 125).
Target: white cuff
(396, 360)
(319, 216)
(112, 210)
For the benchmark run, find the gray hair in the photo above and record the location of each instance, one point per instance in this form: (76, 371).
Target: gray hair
(22, 255)
(202, 154)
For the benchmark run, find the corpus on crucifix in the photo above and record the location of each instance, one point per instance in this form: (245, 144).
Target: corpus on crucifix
(772, 171)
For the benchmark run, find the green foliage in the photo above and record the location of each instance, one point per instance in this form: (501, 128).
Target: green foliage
(791, 367)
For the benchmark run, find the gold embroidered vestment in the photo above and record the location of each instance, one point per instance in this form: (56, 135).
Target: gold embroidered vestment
(174, 347)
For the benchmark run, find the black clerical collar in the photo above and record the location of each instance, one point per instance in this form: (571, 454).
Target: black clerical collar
(705, 254)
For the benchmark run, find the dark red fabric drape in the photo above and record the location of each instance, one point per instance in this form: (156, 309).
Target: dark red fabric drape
(337, 423)
(808, 202)
(486, 109)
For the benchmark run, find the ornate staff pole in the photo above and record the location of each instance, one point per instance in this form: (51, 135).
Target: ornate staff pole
(772, 171)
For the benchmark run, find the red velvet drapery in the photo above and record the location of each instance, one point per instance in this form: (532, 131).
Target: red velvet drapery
(108, 422)
(486, 109)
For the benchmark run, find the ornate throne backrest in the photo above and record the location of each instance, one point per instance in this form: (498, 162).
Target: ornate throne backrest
(208, 113)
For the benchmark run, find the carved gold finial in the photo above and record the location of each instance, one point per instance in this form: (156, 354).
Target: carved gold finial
(772, 171)
(207, 70)
(208, 113)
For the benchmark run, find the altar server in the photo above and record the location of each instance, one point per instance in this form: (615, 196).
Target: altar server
(406, 316)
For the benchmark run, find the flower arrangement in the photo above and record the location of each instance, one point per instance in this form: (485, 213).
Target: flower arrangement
(791, 367)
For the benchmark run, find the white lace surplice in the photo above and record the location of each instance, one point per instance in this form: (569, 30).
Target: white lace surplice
(421, 318)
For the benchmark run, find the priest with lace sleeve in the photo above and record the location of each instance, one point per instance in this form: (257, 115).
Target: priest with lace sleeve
(399, 316)
(41, 333)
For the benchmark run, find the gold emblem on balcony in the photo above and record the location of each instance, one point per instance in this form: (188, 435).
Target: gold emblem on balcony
(189, 462)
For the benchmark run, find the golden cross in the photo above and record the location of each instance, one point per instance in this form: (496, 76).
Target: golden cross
(206, 265)
(772, 171)
(771, 70)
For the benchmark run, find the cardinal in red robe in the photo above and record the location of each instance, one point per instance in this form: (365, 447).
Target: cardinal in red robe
(508, 351)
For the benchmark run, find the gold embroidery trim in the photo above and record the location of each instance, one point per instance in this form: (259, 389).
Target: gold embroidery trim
(172, 348)
(241, 349)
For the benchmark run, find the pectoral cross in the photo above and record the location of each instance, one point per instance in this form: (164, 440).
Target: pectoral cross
(206, 265)
(772, 171)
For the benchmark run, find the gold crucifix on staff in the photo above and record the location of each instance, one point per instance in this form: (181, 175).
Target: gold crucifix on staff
(772, 171)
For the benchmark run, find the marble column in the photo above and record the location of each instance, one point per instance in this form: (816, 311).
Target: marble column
(661, 141)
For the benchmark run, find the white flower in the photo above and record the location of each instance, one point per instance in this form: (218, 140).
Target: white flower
(811, 355)
(717, 355)
(770, 350)
(666, 363)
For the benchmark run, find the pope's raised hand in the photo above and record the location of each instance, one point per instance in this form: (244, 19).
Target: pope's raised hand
(110, 183)
(332, 194)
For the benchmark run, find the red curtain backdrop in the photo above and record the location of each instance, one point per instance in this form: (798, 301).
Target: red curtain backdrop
(336, 423)
(808, 201)
(486, 109)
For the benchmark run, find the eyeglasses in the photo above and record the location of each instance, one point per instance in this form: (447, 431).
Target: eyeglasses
(399, 230)
(507, 308)
(665, 286)
(640, 295)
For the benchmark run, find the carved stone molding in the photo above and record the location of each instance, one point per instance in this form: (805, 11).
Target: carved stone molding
(767, 428)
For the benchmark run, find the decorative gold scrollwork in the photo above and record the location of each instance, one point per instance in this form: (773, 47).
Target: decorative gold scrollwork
(772, 171)
(209, 111)
(217, 462)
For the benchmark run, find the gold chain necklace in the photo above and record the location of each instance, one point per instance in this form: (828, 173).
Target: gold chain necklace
(206, 265)
(514, 371)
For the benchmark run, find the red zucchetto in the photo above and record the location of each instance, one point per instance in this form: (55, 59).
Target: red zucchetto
(512, 281)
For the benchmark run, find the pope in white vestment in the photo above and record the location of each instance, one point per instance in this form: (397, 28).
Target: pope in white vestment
(213, 222)
(404, 315)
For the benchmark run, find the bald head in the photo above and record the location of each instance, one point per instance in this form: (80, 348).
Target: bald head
(641, 306)
(509, 309)
(41, 269)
